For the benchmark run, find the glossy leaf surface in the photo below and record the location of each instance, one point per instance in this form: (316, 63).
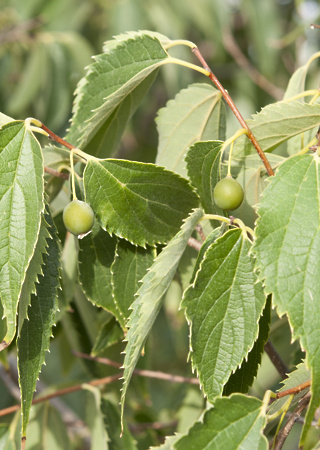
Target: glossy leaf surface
(112, 89)
(234, 423)
(142, 203)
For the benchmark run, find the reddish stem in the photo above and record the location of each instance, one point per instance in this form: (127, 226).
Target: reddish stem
(295, 390)
(235, 111)
(57, 138)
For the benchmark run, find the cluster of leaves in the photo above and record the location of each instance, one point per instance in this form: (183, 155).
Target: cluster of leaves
(145, 217)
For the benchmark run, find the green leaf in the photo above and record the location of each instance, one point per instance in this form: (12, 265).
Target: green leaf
(5, 119)
(110, 333)
(263, 21)
(223, 307)
(109, 45)
(196, 114)
(115, 84)
(150, 296)
(241, 380)
(211, 238)
(30, 82)
(295, 86)
(203, 164)
(298, 79)
(129, 267)
(168, 444)
(55, 95)
(287, 250)
(47, 429)
(21, 205)
(34, 269)
(251, 173)
(234, 423)
(191, 410)
(11, 440)
(142, 203)
(276, 123)
(96, 256)
(98, 434)
(113, 426)
(70, 272)
(104, 143)
(35, 334)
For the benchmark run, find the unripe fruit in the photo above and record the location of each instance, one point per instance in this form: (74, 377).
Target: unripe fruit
(78, 217)
(228, 194)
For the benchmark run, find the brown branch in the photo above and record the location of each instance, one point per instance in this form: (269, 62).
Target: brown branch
(8, 380)
(194, 243)
(56, 173)
(68, 390)
(200, 231)
(282, 436)
(235, 111)
(234, 50)
(295, 390)
(140, 372)
(57, 138)
(276, 360)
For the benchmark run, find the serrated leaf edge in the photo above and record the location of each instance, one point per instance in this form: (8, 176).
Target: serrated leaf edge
(189, 358)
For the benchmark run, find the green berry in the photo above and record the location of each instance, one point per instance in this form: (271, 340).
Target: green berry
(78, 217)
(228, 194)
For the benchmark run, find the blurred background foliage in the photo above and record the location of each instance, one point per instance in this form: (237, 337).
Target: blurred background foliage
(253, 46)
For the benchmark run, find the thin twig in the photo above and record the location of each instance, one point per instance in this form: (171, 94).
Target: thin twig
(295, 390)
(143, 373)
(75, 426)
(201, 233)
(301, 420)
(194, 243)
(234, 50)
(57, 138)
(56, 173)
(60, 392)
(282, 436)
(276, 360)
(10, 383)
(235, 111)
